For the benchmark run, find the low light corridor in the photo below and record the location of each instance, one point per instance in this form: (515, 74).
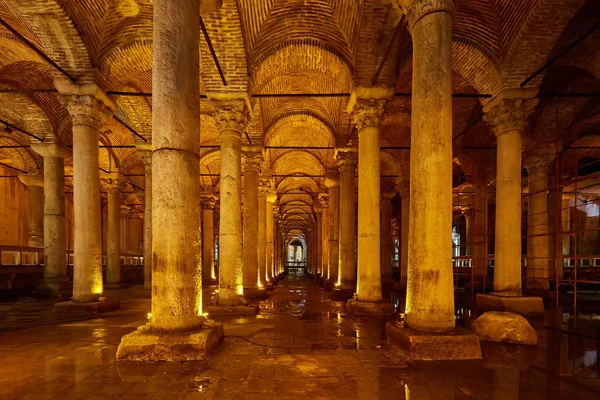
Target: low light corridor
(300, 345)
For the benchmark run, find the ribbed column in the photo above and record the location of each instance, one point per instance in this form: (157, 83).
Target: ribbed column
(146, 156)
(208, 241)
(89, 108)
(386, 236)
(251, 161)
(507, 114)
(55, 238)
(480, 231)
(324, 215)
(538, 257)
(404, 229)
(264, 186)
(333, 183)
(231, 117)
(113, 245)
(430, 291)
(34, 180)
(346, 265)
(270, 234)
(176, 276)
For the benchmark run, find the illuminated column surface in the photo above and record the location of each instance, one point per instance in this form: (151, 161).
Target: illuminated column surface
(34, 180)
(404, 229)
(346, 264)
(264, 186)
(270, 234)
(386, 236)
(324, 215)
(208, 240)
(333, 183)
(146, 156)
(113, 245)
(251, 161)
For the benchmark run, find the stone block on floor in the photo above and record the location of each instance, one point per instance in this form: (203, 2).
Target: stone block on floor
(71, 307)
(148, 345)
(526, 306)
(500, 326)
(459, 344)
(356, 307)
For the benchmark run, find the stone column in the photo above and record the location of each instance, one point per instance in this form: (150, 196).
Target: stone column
(270, 228)
(404, 229)
(468, 213)
(507, 114)
(146, 156)
(324, 215)
(113, 245)
(333, 183)
(34, 180)
(430, 290)
(209, 276)
(318, 238)
(55, 240)
(366, 107)
(231, 116)
(480, 231)
(565, 241)
(386, 236)
(89, 108)
(264, 186)
(251, 161)
(538, 257)
(346, 265)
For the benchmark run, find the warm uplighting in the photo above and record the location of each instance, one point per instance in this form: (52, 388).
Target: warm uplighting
(149, 316)
(240, 290)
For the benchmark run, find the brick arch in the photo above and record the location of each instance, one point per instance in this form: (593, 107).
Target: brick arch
(292, 184)
(125, 62)
(210, 162)
(297, 161)
(476, 65)
(57, 34)
(22, 158)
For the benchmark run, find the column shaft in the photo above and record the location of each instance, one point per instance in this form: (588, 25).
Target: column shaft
(386, 238)
(250, 228)
(35, 216)
(346, 265)
(208, 242)
(147, 159)
(404, 230)
(334, 232)
(324, 215)
(113, 247)
(480, 232)
(269, 233)
(262, 237)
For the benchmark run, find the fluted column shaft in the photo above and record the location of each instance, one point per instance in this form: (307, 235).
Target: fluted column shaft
(506, 114)
(176, 275)
(346, 264)
(386, 236)
(251, 165)
(430, 291)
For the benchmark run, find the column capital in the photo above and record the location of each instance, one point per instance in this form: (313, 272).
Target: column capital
(416, 9)
(231, 110)
(467, 212)
(540, 161)
(208, 202)
(49, 149)
(347, 159)
(508, 111)
(332, 178)
(34, 178)
(388, 195)
(87, 103)
(112, 182)
(272, 197)
(323, 200)
(367, 105)
(264, 187)
(252, 160)
(124, 210)
(404, 189)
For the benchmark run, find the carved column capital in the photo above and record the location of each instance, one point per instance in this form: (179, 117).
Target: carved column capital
(252, 161)
(208, 202)
(508, 111)
(367, 106)
(113, 182)
(231, 113)
(417, 9)
(323, 200)
(264, 187)
(539, 162)
(86, 110)
(347, 159)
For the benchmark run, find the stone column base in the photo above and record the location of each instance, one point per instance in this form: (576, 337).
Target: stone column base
(328, 285)
(255, 293)
(116, 286)
(343, 293)
(147, 345)
(357, 307)
(54, 287)
(459, 344)
(523, 305)
(94, 307)
(143, 294)
(269, 286)
(230, 310)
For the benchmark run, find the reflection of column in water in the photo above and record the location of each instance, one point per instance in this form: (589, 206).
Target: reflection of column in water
(368, 384)
(506, 384)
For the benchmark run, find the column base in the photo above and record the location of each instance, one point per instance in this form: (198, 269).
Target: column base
(143, 294)
(231, 310)
(94, 307)
(524, 305)
(147, 345)
(357, 307)
(116, 286)
(328, 285)
(255, 292)
(269, 286)
(459, 344)
(343, 293)
(54, 287)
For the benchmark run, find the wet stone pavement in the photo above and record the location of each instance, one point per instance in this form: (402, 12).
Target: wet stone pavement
(300, 346)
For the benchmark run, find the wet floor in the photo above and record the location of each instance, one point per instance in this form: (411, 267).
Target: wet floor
(300, 346)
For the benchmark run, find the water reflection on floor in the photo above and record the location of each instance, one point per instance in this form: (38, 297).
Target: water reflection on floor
(300, 346)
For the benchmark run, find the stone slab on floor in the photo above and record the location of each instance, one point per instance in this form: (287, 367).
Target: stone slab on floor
(230, 310)
(357, 307)
(526, 306)
(71, 307)
(148, 345)
(459, 344)
(501, 326)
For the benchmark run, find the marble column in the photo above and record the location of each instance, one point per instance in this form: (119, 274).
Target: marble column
(430, 290)
(34, 180)
(55, 238)
(324, 215)
(176, 278)
(270, 234)
(346, 265)
(480, 208)
(333, 183)
(538, 257)
(263, 191)
(507, 114)
(386, 236)
(468, 213)
(146, 156)
(209, 276)
(366, 107)
(404, 229)
(251, 161)
(89, 108)
(231, 116)
(113, 245)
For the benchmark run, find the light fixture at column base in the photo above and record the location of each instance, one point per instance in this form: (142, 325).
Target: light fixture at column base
(458, 344)
(343, 293)
(356, 307)
(116, 286)
(149, 345)
(93, 307)
(526, 306)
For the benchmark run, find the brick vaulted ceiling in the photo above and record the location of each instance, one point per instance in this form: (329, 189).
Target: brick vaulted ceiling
(300, 47)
